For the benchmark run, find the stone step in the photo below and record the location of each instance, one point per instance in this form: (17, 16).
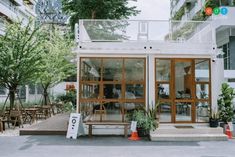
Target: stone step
(188, 137)
(189, 130)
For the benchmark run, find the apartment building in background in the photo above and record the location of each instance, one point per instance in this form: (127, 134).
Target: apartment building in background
(11, 10)
(224, 27)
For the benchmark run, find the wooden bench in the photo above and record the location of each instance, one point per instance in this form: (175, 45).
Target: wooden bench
(125, 124)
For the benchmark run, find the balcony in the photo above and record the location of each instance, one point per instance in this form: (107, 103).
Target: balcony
(116, 36)
(143, 31)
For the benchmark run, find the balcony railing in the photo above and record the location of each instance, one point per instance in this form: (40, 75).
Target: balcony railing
(178, 5)
(194, 10)
(9, 5)
(144, 30)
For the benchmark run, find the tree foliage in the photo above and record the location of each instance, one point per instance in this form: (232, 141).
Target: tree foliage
(56, 63)
(98, 9)
(21, 53)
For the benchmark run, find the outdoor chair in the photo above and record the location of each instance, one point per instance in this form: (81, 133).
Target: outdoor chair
(15, 117)
(3, 116)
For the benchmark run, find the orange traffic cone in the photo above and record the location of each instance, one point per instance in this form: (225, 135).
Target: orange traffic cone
(134, 136)
(228, 132)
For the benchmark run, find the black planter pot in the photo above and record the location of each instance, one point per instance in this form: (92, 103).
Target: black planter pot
(142, 132)
(214, 123)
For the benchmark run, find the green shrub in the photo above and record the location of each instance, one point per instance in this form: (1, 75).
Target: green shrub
(225, 103)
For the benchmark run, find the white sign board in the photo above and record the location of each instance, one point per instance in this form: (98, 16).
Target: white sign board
(133, 126)
(75, 127)
(230, 124)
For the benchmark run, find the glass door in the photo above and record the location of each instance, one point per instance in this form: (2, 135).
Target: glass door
(183, 90)
(182, 87)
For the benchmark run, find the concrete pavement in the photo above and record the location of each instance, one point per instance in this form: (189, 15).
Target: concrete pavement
(109, 146)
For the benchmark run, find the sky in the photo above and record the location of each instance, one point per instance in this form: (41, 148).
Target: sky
(152, 9)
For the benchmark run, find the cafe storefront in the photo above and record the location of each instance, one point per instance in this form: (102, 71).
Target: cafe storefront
(112, 87)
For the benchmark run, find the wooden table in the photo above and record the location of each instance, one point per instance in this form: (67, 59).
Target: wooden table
(125, 124)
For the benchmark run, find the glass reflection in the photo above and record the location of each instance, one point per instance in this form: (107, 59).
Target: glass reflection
(130, 107)
(163, 91)
(202, 112)
(90, 90)
(165, 112)
(134, 69)
(90, 69)
(134, 91)
(112, 91)
(183, 111)
(202, 91)
(202, 70)
(183, 80)
(112, 69)
(163, 68)
(87, 110)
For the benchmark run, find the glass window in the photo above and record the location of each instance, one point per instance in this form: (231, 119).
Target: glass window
(31, 89)
(106, 83)
(112, 91)
(90, 90)
(183, 80)
(163, 69)
(112, 111)
(87, 110)
(112, 69)
(130, 107)
(90, 69)
(163, 90)
(183, 111)
(202, 91)
(202, 70)
(22, 92)
(202, 112)
(165, 112)
(134, 91)
(134, 69)
(39, 89)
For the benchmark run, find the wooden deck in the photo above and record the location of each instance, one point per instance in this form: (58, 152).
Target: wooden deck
(56, 125)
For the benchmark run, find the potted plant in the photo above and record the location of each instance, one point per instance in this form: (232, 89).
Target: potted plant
(146, 120)
(140, 117)
(214, 120)
(225, 105)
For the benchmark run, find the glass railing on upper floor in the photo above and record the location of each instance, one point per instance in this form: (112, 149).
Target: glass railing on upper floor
(144, 30)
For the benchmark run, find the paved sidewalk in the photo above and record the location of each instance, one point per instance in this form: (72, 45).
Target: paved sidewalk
(110, 146)
(56, 125)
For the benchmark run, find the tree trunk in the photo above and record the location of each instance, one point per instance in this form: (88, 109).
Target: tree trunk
(12, 91)
(46, 98)
(93, 14)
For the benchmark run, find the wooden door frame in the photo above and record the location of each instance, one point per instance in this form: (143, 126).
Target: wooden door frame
(191, 100)
(123, 84)
(172, 99)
